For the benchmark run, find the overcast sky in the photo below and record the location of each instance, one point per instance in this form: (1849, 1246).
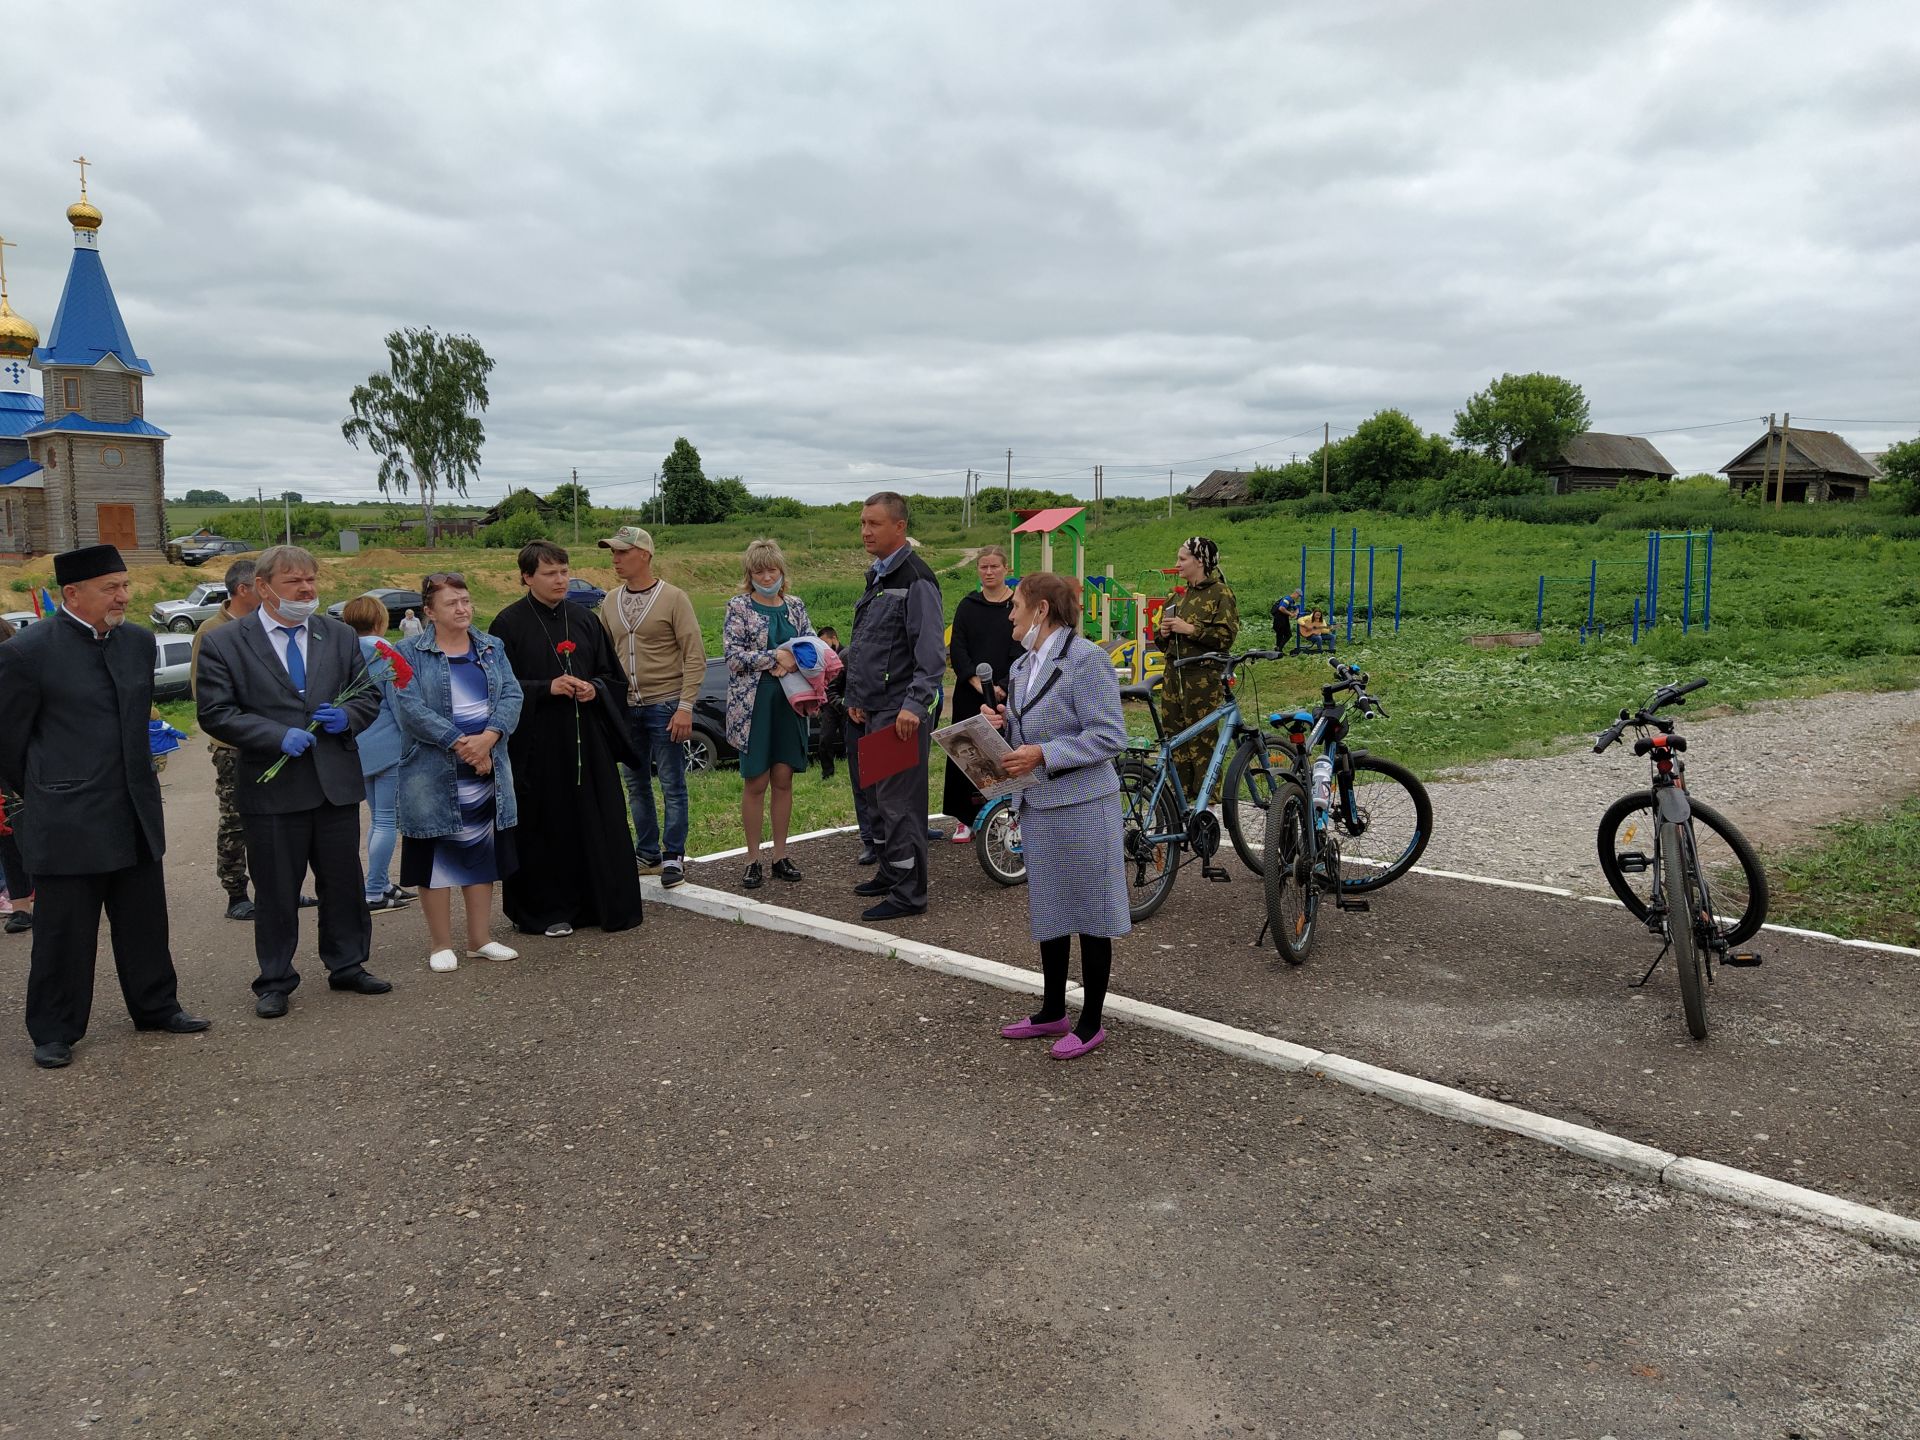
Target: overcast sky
(836, 245)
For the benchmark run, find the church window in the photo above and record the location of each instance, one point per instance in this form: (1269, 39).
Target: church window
(135, 387)
(110, 457)
(70, 394)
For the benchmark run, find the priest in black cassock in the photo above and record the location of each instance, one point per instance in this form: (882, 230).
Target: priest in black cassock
(576, 855)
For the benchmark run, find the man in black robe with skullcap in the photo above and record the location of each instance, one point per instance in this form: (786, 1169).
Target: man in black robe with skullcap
(76, 692)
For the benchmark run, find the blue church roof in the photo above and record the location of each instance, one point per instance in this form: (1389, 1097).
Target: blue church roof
(80, 425)
(19, 470)
(19, 412)
(87, 328)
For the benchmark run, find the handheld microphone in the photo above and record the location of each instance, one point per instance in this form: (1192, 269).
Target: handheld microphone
(983, 672)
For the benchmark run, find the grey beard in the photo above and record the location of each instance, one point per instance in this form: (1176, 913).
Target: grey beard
(114, 622)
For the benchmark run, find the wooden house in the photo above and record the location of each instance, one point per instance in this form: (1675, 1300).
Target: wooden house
(1594, 460)
(1820, 466)
(1222, 487)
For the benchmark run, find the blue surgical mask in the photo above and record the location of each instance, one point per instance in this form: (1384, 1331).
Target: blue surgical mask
(769, 592)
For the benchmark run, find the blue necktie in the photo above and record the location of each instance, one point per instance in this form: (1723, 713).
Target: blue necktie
(296, 662)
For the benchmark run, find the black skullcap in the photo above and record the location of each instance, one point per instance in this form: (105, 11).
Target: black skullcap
(89, 562)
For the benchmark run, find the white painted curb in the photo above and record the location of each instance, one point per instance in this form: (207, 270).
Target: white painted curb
(1707, 1178)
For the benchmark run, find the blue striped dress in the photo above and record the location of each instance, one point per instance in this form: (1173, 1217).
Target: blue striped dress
(475, 854)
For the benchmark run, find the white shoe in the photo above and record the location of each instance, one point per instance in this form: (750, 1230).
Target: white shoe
(555, 932)
(443, 960)
(493, 950)
(961, 834)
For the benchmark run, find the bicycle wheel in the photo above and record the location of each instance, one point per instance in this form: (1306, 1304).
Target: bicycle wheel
(1384, 819)
(1248, 791)
(997, 844)
(1684, 912)
(1736, 885)
(1152, 859)
(1293, 900)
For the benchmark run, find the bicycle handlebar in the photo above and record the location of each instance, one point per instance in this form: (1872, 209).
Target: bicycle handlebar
(1224, 660)
(1648, 714)
(1355, 681)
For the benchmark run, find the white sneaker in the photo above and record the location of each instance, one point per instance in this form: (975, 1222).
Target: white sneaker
(443, 960)
(961, 834)
(555, 932)
(493, 950)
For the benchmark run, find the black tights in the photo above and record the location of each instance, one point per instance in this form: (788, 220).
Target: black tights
(1096, 968)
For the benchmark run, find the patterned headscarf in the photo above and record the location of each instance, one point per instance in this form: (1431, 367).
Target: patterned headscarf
(1205, 551)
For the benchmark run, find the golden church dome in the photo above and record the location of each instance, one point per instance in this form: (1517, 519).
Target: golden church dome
(82, 215)
(17, 336)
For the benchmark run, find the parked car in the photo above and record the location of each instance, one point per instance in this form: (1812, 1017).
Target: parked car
(212, 547)
(188, 615)
(172, 667)
(398, 602)
(585, 592)
(707, 747)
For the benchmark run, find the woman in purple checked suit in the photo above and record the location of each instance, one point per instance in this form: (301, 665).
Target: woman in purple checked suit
(1063, 718)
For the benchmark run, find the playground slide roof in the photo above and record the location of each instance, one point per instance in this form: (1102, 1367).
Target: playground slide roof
(1042, 522)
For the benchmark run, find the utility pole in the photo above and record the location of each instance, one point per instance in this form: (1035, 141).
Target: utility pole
(1780, 489)
(1009, 487)
(576, 505)
(286, 499)
(1326, 440)
(260, 494)
(1169, 494)
(1766, 457)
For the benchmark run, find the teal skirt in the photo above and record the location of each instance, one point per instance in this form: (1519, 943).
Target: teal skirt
(777, 735)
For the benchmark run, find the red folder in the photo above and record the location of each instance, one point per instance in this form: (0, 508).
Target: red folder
(884, 754)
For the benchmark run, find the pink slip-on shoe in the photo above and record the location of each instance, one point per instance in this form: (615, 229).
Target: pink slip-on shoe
(1072, 1047)
(1027, 1030)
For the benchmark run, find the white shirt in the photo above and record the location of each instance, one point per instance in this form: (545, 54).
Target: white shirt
(1037, 666)
(86, 625)
(279, 639)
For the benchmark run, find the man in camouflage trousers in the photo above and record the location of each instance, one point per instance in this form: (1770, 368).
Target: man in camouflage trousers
(230, 845)
(1206, 618)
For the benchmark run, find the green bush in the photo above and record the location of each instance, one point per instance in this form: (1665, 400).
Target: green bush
(514, 531)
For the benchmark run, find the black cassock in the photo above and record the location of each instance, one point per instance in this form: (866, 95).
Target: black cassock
(576, 852)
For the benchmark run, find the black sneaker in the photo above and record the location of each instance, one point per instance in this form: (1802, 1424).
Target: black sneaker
(388, 901)
(241, 909)
(394, 892)
(19, 922)
(754, 877)
(785, 869)
(671, 874)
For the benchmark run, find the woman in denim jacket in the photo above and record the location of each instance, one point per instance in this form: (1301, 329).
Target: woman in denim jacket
(456, 787)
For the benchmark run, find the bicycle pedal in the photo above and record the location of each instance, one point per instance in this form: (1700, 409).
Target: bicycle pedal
(1216, 873)
(1741, 959)
(1633, 863)
(1342, 902)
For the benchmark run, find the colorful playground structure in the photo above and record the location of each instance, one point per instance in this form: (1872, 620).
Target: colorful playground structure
(1646, 603)
(1115, 616)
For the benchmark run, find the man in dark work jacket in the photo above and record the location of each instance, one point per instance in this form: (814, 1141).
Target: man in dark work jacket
(895, 662)
(76, 691)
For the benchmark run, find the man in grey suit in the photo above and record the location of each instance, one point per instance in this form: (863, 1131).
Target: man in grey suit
(895, 662)
(262, 682)
(75, 693)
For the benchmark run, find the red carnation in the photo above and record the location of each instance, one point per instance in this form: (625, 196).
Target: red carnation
(402, 670)
(566, 647)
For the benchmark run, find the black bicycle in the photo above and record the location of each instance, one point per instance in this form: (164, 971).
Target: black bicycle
(1700, 887)
(1340, 807)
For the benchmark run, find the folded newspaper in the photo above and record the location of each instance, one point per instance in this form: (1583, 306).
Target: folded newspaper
(980, 752)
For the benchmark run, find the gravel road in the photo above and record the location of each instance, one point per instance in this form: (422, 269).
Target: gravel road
(1778, 769)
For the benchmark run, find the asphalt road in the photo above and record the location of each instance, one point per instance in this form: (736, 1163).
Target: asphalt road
(1811, 1071)
(706, 1181)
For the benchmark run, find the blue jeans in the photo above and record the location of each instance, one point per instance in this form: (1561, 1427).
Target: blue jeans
(649, 725)
(383, 794)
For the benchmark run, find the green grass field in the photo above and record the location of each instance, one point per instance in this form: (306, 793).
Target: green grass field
(1794, 614)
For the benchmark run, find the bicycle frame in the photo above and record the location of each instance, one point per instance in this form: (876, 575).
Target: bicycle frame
(1230, 726)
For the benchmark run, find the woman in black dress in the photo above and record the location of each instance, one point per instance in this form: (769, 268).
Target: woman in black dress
(982, 635)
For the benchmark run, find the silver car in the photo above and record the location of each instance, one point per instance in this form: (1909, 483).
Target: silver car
(172, 668)
(186, 616)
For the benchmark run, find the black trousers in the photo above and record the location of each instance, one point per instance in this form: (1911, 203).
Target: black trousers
(280, 851)
(66, 937)
(897, 808)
